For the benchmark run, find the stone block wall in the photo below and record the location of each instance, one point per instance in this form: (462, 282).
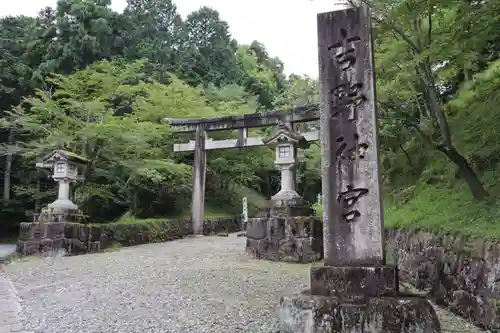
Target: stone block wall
(463, 276)
(289, 239)
(76, 238)
(221, 225)
(47, 237)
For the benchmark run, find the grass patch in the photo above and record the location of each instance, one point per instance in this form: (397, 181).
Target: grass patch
(129, 219)
(211, 213)
(115, 247)
(445, 209)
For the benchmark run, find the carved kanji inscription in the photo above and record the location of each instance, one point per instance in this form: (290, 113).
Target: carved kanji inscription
(348, 96)
(348, 199)
(351, 149)
(344, 51)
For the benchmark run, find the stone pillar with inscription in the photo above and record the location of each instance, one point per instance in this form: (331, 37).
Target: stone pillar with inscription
(355, 291)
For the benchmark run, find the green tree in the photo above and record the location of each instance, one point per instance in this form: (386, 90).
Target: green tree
(260, 75)
(413, 43)
(84, 114)
(15, 82)
(111, 114)
(207, 50)
(77, 34)
(154, 31)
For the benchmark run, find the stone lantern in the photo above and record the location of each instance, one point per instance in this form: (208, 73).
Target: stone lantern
(67, 168)
(286, 143)
(288, 231)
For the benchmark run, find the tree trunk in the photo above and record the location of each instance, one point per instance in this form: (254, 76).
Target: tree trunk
(8, 170)
(466, 172)
(269, 186)
(135, 204)
(410, 162)
(37, 198)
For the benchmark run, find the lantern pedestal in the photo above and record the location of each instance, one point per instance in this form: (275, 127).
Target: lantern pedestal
(288, 231)
(63, 202)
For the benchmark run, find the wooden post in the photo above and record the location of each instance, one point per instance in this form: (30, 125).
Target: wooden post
(242, 137)
(245, 214)
(199, 173)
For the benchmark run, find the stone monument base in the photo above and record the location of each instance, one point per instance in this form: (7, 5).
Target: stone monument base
(306, 313)
(286, 233)
(355, 300)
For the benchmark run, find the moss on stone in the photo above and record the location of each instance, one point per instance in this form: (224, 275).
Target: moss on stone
(305, 219)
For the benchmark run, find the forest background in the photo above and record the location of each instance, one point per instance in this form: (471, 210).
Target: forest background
(94, 81)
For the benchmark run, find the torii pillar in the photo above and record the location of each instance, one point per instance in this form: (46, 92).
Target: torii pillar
(199, 175)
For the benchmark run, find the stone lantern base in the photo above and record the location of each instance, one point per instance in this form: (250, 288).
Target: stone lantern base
(287, 232)
(63, 205)
(57, 229)
(59, 213)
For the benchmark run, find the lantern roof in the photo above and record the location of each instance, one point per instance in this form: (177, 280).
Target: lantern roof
(283, 135)
(61, 155)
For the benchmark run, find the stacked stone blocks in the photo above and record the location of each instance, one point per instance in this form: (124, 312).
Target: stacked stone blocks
(72, 238)
(289, 239)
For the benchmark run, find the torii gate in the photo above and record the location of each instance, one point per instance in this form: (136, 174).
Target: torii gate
(242, 123)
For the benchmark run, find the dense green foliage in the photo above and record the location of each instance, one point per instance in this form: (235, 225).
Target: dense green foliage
(85, 78)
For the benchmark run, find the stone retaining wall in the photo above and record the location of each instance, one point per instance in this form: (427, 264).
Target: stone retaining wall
(463, 276)
(76, 238)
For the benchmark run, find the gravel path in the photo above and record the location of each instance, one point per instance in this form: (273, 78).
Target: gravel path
(11, 319)
(193, 285)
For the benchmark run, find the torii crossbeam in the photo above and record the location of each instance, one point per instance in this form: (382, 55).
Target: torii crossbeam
(242, 123)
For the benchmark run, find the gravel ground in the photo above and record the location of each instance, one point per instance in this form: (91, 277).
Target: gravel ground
(11, 319)
(193, 285)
